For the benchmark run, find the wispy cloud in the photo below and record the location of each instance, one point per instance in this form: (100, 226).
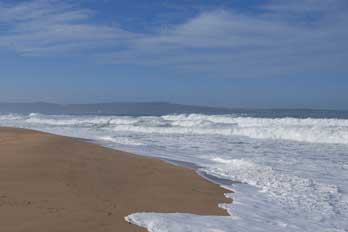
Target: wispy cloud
(49, 26)
(297, 37)
(304, 37)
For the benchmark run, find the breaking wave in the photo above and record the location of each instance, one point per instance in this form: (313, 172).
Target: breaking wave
(302, 130)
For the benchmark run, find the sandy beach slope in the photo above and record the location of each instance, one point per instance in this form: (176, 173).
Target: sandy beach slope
(54, 183)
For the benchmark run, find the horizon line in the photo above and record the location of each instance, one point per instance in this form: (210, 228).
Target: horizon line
(180, 104)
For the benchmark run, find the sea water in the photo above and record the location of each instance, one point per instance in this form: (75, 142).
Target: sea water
(289, 172)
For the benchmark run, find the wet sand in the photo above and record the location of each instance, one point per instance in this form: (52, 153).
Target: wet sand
(55, 183)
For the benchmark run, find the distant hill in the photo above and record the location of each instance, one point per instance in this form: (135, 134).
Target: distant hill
(160, 108)
(120, 108)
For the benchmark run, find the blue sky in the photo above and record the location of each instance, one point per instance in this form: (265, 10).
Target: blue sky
(235, 53)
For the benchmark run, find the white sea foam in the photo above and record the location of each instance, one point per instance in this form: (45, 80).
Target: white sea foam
(302, 130)
(174, 222)
(120, 140)
(10, 117)
(299, 194)
(290, 174)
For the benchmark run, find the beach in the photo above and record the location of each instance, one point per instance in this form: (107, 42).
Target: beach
(56, 183)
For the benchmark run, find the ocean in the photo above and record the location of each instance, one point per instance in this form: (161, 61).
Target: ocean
(288, 168)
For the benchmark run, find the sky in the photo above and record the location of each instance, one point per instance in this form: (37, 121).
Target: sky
(230, 53)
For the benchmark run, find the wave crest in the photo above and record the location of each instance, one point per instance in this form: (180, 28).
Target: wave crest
(302, 130)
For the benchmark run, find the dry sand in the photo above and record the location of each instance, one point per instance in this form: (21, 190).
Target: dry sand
(52, 183)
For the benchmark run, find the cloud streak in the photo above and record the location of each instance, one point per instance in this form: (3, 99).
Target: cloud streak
(285, 39)
(300, 37)
(47, 26)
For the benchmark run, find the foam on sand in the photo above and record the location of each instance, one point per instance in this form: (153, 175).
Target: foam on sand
(174, 222)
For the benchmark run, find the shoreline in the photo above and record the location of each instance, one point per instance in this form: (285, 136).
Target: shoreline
(55, 183)
(223, 183)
